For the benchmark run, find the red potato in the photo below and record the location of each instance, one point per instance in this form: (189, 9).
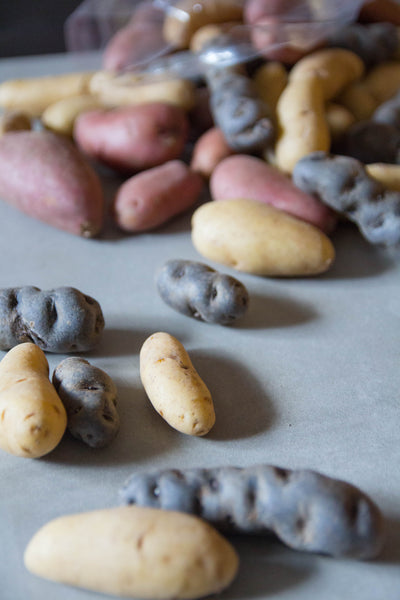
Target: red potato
(133, 138)
(210, 149)
(151, 198)
(248, 177)
(45, 176)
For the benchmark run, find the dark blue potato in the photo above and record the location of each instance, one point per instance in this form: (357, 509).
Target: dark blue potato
(197, 290)
(373, 43)
(59, 320)
(305, 509)
(90, 399)
(342, 183)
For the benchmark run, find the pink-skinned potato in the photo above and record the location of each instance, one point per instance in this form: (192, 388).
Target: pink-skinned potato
(244, 176)
(151, 198)
(44, 175)
(209, 150)
(133, 138)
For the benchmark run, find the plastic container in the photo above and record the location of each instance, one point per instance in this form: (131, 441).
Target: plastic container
(287, 24)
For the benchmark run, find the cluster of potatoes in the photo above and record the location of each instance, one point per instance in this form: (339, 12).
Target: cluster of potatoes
(158, 133)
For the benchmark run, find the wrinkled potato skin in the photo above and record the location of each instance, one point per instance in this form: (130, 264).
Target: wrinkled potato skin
(134, 552)
(259, 239)
(174, 387)
(32, 416)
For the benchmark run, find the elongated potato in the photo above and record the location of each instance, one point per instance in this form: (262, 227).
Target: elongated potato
(43, 175)
(32, 416)
(174, 387)
(33, 95)
(260, 239)
(134, 552)
(60, 116)
(387, 174)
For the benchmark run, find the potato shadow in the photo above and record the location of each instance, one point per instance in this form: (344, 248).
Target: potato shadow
(125, 342)
(391, 550)
(143, 435)
(275, 311)
(265, 570)
(355, 257)
(241, 405)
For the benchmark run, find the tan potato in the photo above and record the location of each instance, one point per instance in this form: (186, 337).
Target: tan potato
(207, 33)
(33, 95)
(302, 123)
(32, 416)
(120, 90)
(270, 80)
(14, 120)
(174, 387)
(134, 552)
(358, 100)
(257, 238)
(387, 174)
(60, 116)
(335, 67)
(187, 16)
(339, 119)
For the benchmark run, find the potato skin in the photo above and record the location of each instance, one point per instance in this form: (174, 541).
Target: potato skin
(149, 199)
(174, 387)
(244, 176)
(134, 552)
(32, 416)
(256, 238)
(43, 175)
(209, 150)
(133, 138)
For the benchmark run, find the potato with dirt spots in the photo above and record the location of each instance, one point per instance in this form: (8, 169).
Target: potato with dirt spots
(32, 416)
(134, 552)
(174, 387)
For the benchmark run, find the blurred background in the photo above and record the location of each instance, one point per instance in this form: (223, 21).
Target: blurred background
(33, 27)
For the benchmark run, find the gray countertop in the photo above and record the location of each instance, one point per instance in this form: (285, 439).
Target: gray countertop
(310, 378)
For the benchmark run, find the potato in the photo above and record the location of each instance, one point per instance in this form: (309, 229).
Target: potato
(256, 238)
(209, 150)
(174, 387)
(302, 123)
(14, 120)
(43, 175)
(134, 552)
(114, 90)
(150, 199)
(243, 176)
(339, 119)
(33, 95)
(270, 80)
(60, 116)
(187, 16)
(387, 174)
(133, 138)
(32, 416)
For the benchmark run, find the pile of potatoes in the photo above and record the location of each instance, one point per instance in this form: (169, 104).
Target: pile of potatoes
(161, 135)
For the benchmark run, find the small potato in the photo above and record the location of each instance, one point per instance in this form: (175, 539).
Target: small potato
(134, 552)
(114, 90)
(387, 174)
(260, 239)
(33, 95)
(60, 116)
(174, 387)
(209, 150)
(185, 17)
(43, 175)
(133, 138)
(90, 398)
(244, 176)
(14, 120)
(339, 119)
(270, 80)
(32, 416)
(198, 291)
(150, 199)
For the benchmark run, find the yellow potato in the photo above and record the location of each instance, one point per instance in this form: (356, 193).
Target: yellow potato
(302, 123)
(60, 116)
(33, 95)
(120, 90)
(270, 80)
(174, 387)
(339, 119)
(257, 238)
(387, 174)
(134, 552)
(32, 416)
(358, 100)
(14, 120)
(334, 67)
